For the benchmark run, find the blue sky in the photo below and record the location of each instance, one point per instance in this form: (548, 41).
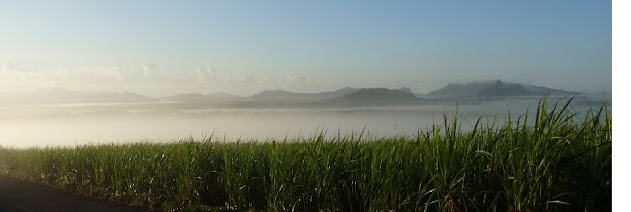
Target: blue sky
(164, 47)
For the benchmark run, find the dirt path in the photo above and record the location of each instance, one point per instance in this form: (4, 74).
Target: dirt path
(21, 196)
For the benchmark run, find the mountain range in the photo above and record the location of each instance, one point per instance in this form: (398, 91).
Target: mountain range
(377, 96)
(494, 89)
(286, 95)
(343, 96)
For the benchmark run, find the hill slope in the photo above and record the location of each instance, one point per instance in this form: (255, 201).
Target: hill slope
(494, 89)
(377, 96)
(286, 95)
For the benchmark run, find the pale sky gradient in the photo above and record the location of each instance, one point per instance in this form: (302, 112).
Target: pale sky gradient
(159, 48)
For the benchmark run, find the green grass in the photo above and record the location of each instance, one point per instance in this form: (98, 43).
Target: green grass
(558, 159)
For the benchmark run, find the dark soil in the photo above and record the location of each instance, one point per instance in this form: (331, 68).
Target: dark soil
(21, 196)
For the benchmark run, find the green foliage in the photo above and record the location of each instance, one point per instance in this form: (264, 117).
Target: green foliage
(558, 160)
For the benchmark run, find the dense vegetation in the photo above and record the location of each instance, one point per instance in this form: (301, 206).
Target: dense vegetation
(556, 159)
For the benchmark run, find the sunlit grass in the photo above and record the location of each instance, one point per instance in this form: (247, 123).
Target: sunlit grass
(556, 159)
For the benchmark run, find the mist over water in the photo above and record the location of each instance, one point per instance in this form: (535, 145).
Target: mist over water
(78, 124)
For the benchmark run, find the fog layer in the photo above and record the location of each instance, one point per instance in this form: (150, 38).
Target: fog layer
(78, 124)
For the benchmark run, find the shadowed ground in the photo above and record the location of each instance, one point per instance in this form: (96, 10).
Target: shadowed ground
(21, 196)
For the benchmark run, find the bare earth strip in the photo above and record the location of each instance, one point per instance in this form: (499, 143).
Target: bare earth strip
(22, 196)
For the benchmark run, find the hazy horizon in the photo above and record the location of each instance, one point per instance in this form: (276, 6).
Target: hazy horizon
(167, 94)
(80, 124)
(163, 48)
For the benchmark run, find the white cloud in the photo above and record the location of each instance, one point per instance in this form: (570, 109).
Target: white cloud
(120, 72)
(145, 79)
(149, 71)
(116, 73)
(204, 74)
(247, 79)
(294, 79)
(7, 66)
(24, 76)
(268, 83)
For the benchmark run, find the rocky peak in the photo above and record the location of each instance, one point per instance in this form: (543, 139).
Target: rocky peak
(407, 90)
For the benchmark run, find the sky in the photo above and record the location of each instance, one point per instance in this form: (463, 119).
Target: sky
(160, 48)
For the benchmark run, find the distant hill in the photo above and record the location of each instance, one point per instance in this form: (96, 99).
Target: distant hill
(500, 89)
(336, 93)
(286, 95)
(407, 90)
(279, 94)
(378, 96)
(461, 90)
(494, 89)
(198, 97)
(61, 95)
(222, 95)
(187, 97)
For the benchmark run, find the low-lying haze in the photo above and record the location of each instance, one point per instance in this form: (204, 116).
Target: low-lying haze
(69, 124)
(82, 124)
(75, 72)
